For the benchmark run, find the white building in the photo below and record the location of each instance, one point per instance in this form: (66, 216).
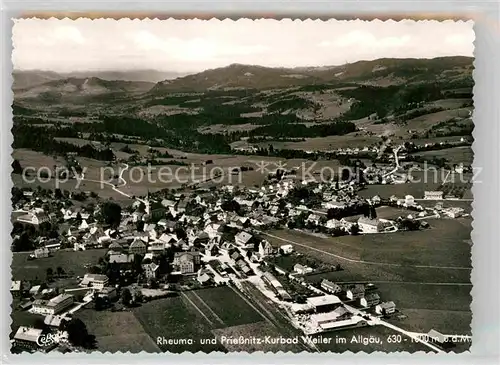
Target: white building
(33, 218)
(333, 223)
(409, 200)
(27, 337)
(41, 252)
(97, 281)
(330, 286)
(433, 195)
(302, 269)
(265, 248)
(385, 308)
(287, 249)
(368, 225)
(454, 212)
(53, 306)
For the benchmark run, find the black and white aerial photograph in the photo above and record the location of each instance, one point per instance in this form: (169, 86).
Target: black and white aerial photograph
(241, 185)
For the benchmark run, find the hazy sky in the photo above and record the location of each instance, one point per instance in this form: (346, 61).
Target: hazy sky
(194, 45)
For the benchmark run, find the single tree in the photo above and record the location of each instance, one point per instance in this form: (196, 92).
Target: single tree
(59, 271)
(126, 297)
(354, 229)
(111, 213)
(77, 333)
(49, 273)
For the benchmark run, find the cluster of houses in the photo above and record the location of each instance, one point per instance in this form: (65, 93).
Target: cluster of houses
(207, 238)
(364, 295)
(334, 310)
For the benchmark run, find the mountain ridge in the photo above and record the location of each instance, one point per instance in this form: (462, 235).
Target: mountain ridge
(260, 77)
(29, 78)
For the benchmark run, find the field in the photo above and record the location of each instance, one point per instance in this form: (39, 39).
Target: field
(232, 309)
(455, 155)
(117, 331)
(326, 143)
(70, 261)
(175, 318)
(29, 158)
(418, 271)
(426, 121)
(140, 179)
(207, 314)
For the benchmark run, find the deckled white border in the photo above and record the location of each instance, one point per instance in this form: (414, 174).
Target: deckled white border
(486, 254)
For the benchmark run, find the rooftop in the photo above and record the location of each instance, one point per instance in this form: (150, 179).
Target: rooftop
(96, 277)
(28, 334)
(15, 286)
(323, 300)
(59, 299)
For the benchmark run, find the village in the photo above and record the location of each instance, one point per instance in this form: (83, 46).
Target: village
(169, 242)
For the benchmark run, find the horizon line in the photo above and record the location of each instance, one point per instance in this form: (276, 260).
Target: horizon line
(234, 64)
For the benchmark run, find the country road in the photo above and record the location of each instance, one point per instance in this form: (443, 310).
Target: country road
(113, 186)
(396, 159)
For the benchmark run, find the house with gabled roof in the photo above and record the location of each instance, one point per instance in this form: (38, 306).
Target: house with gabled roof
(137, 247)
(41, 252)
(157, 247)
(385, 308)
(168, 203)
(212, 249)
(201, 239)
(370, 225)
(356, 292)
(330, 287)
(313, 218)
(186, 262)
(370, 300)
(168, 238)
(333, 223)
(214, 229)
(181, 205)
(225, 247)
(121, 259)
(115, 248)
(243, 239)
(265, 248)
(150, 270)
(204, 276)
(302, 269)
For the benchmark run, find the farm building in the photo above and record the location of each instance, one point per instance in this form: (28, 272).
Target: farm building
(330, 286)
(270, 280)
